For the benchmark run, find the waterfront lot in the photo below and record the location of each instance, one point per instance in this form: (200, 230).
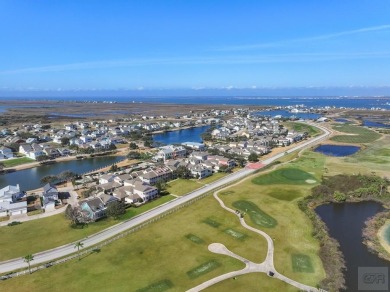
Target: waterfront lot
(17, 161)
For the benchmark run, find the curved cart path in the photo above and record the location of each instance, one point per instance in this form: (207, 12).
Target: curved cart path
(250, 267)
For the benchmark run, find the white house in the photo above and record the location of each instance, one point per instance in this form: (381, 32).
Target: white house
(9, 201)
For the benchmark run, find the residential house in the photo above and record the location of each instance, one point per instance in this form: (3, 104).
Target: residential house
(10, 201)
(93, 208)
(6, 153)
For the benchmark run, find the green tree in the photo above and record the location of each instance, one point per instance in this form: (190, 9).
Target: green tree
(67, 175)
(133, 146)
(113, 168)
(183, 172)
(64, 141)
(134, 155)
(148, 143)
(339, 196)
(111, 147)
(115, 209)
(253, 157)
(161, 185)
(27, 259)
(2, 165)
(79, 245)
(49, 179)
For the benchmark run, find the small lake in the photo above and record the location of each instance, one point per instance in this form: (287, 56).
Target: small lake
(345, 223)
(287, 114)
(30, 179)
(337, 150)
(180, 136)
(372, 124)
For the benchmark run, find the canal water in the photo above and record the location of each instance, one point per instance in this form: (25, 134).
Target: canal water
(345, 223)
(30, 179)
(180, 136)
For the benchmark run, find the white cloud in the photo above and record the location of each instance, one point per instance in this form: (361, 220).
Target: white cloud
(196, 60)
(282, 43)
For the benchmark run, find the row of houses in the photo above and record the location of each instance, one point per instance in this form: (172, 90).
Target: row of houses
(13, 201)
(35, 150)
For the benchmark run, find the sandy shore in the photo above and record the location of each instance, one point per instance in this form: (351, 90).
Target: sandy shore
(382, 238)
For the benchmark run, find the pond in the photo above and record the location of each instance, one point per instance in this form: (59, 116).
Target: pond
(180, 136)
(337, 150)
(345, 223)
(372, 124)
(30, 179)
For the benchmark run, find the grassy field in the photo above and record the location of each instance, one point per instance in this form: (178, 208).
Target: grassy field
(300, 127)
(163, 253)
(257, 216)
(290, 176)
(29, 234)
(252, 283)
(356, 134)
(17, 161)
(213, 178)
(292, 234)
(181, 186)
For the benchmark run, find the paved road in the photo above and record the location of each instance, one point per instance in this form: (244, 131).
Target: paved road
(52, 254)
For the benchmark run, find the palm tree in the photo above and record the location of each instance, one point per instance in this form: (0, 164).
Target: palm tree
(27, 259)
(79, 245)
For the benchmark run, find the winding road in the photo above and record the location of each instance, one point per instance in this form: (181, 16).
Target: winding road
(61, 251)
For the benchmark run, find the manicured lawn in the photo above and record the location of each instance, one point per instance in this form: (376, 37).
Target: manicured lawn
(41, 234)
(213, 178)
(17, 161)
(158, 255)
(181, 187)
(292, 234)
(301, 263)
(294, 176)
(29, 235)
(134, 211)
(257, 216)
(357, 134)
(252, 282)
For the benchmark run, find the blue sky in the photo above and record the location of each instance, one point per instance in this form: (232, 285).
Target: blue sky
(170, 45)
